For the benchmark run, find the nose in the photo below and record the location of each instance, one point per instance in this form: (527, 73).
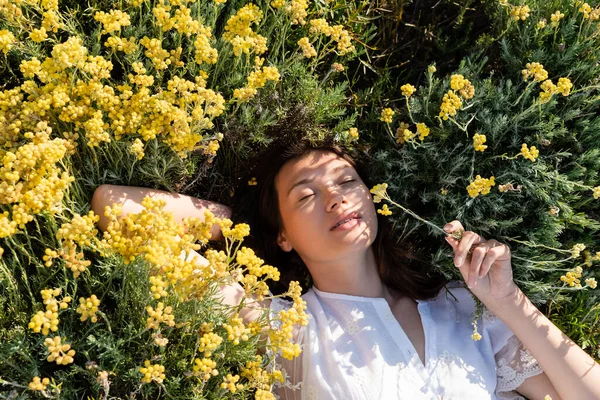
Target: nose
(335, 199)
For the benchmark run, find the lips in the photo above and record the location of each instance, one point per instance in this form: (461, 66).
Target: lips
(345, 218)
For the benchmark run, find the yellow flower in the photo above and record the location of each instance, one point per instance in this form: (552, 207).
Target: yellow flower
(462, 85)
(596, 192)
(380, 192)
(205, 368)
(431, 69)
(556, 17)
(451, 103)
(408, 89)
(529, 153)
(480, 186)
(38, 384)
(38, 35)
(160, 315)
(386, 115)
(520, 12)
(572, 278)
(137, 148)
(297, 11)
(353, 132)
(577, 249)
(541, 23)
(277, 3)
(535, 70)
(422, 130)
(564, 86)
(6, 40)
(88, 308)
(548, 90)
(586, 9)
(337, 67)
(307, 49)
(252, 181)
(152, 372)
(112, 21)
(384, 210)
(591, 282)
(59, 352)
(230, 383)
(478, 142)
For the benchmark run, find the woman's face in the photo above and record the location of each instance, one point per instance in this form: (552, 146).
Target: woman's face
(326, 209)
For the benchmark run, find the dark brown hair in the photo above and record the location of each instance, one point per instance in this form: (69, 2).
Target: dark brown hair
(400, 266)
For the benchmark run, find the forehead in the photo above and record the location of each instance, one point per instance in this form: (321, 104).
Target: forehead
(313, 164)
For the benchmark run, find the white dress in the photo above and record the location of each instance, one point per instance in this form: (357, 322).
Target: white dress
(353, 348)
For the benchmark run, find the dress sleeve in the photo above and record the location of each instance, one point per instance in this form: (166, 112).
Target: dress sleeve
(514, 363)
(291, 388)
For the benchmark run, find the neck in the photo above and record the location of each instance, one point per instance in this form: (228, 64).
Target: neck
(354, 275)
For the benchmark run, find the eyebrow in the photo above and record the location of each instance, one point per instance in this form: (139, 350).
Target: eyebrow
(309, 180)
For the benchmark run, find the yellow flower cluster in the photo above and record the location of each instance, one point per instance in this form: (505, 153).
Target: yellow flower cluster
(386, 115)
(541, 23)
(572, 278)
(536, 71)
(236, 330)
(591, 282)
(336, 32)
(252, 181)
(31, 179)
(297, 11)
(160, 315)
(463, 86)
(337, 67)
(478, 142)
(88, 308)
(59, 352)
(596, 192)
(353, 133)
(137, 148)
(384, 210)
(451, 103)
(564, 86)
(380, 192)
(39, 384)
(256, 80)
(45, 322)
(529, 153)
(238, 31)
(6, 40)
(480, 186)
(205, 53)
(520, 12)
(205, 368)
(230, 383)
(155, 52)
(128, 46)
(159, 340)
(408, 89)
(209, 343)
(112, 21)
(277, 3)
(577, 249)
(152, 372)
(422, 130)
(307, 49)
(80, 232)
(589, 13)
(556, 17)
(282, 339)
(259, 378)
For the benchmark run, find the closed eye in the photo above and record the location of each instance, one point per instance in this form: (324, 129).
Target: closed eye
(306, 197)
(348, 181)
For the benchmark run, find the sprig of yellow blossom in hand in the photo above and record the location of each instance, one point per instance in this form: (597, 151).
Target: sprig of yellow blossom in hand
(379, 192)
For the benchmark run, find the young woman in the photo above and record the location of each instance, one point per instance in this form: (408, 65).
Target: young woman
(381, 324)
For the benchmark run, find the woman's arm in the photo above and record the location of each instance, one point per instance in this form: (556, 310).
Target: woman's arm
(179, 205)
(567, 368)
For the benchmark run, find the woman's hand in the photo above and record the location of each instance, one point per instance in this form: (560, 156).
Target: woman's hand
(487, 270)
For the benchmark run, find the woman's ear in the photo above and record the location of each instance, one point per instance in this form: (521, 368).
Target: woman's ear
(283, 242)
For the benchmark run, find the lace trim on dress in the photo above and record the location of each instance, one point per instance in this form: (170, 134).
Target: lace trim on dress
(514, 364)
(291, 387)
